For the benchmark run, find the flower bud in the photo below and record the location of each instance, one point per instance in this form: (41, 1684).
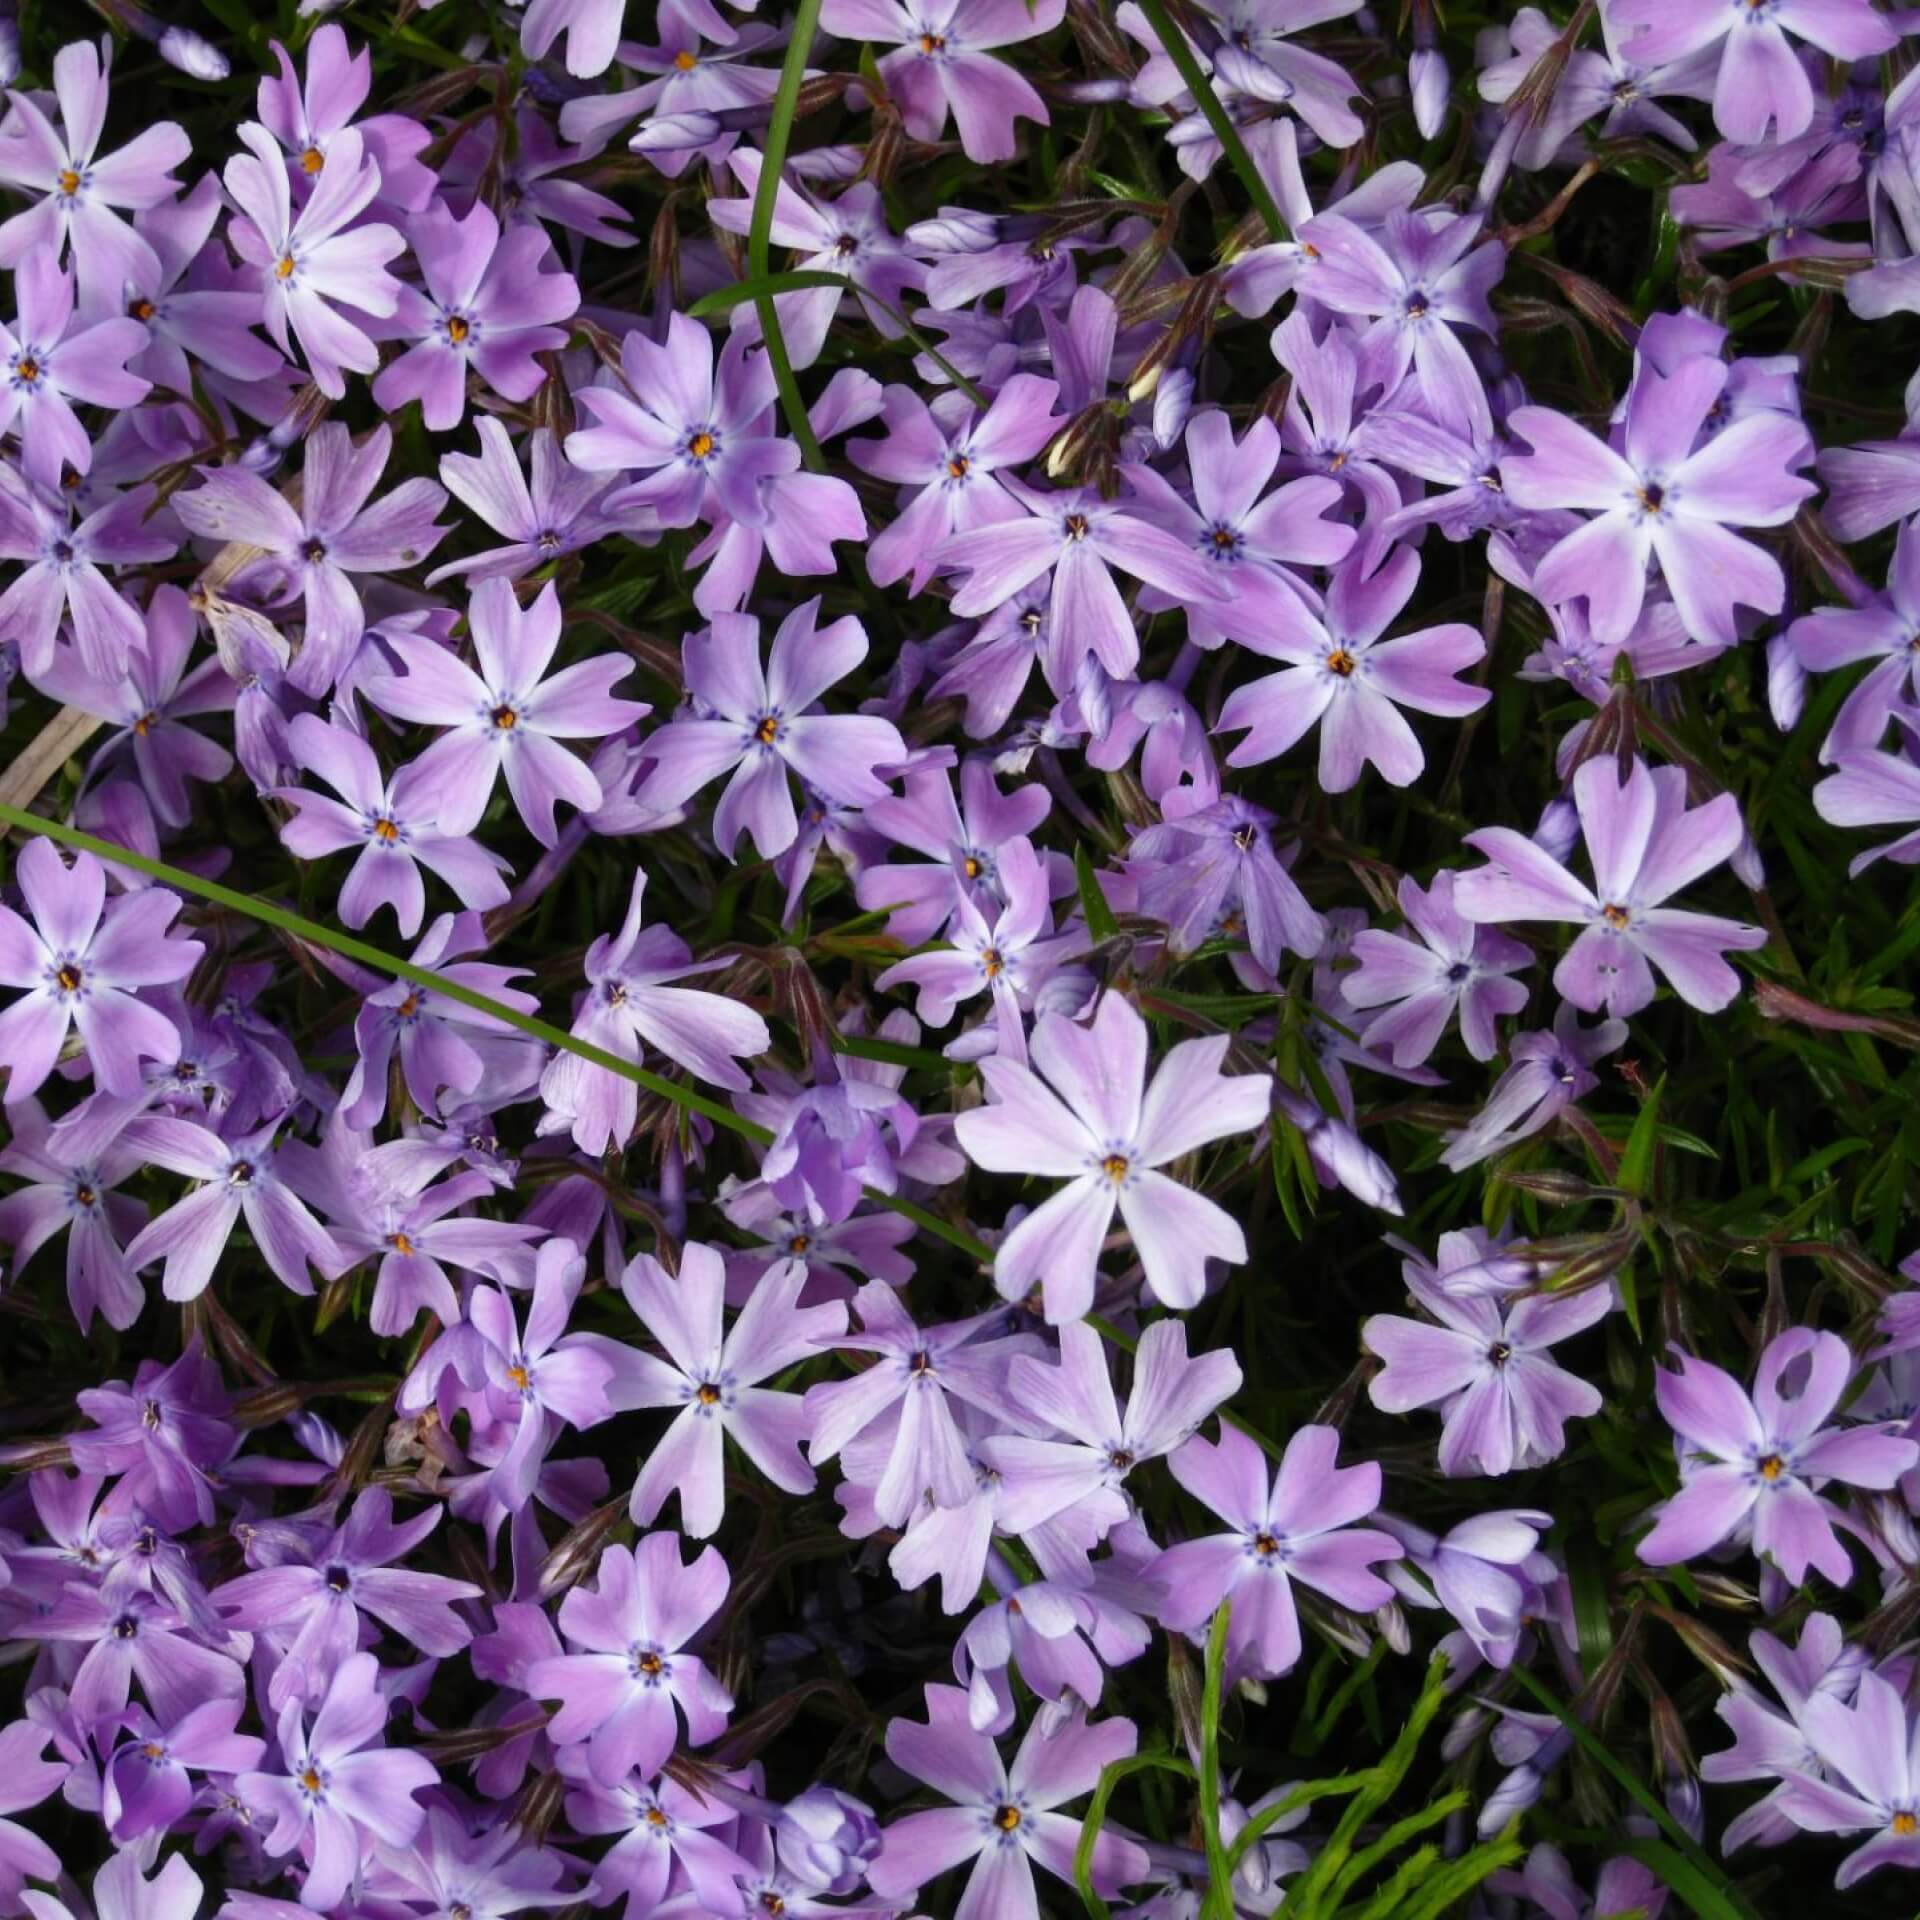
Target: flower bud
(199, 59)
(1430, 84)
(827, 1839)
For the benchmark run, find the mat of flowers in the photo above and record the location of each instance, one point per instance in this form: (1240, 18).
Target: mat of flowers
(956, 959)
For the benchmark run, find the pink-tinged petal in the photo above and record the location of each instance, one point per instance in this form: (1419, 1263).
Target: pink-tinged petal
(999, 560)
(1340, 1565)
(1799, 1381)
(1617, 819)
(1026, 1128)
(1568, 467)
(66, 904)
(1741, 477)
(1520, 882)
(1761, 81)
(1088, 614)
(1604, 562)
(1098, 1070)
(1859, 1457)
(1361, 729)
(919, 1847)
(1229, 1476)
(1057, 1247)
(1688, 949)
(1311, 1494)
(1708, 1508)
(1793, 1527)
(1481, 1435)
(1176, 1232)
(1709, 572)
(1196, 1575)
(1424, 1364)
(1689, 845)
(1190, 1102)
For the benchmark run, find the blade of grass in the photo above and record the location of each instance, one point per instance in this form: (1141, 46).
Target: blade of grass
(1217, 117)
(773, 161)
(1219, 1901)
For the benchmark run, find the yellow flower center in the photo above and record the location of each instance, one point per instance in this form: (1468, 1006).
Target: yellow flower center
(685, 61)
(69, 182)
(399, 1243)
(1265, 1545)
(959, 465)
(68, 979)
(520, 1378)
(700, 445)
(1617, 917)
(28, 369)
(1340, 662)
(1905, 1825)
(708, 1395)
(312, 160)
(386, 830)
(283, 267)
(991, 964)
(1114, 1166)
(1078, 526)
(768, 731)
(1006, 1818)
(505, 718)
(1772, 1467)
(933, 43)
(650, 1664)
(310, 1779)
(457, 328)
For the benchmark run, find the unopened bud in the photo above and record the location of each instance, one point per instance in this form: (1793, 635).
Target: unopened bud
(199, 59)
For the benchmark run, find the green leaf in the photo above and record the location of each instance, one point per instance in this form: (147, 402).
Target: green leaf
(1636, 1163)
(1093, 903)
(763, 287)
(1708, 1901)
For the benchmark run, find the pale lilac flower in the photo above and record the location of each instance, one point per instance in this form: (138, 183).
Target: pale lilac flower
(79, 1197)
(1886, 631)
(508, 717)
(663, 1828)
(394, 823)
(1256, 541)
(1004, 1818)
(1082, 538)
(1216, 872)
(83, 190)
(619, 1691)
(1343, 677)
(1761, 83)
(701, 435)
(1660, 498)
(308, 261)
(315, 1604)
(1485, 1361)
(121, 1890)
(1763, 1458)
(51, 361)
(902, 1400)
(484, 306)
(1645, 844)
(482, 1867)
(62, 573)
(940, 64)
(1301, 1529)
(1548, 1073)
(332, 535)
(951, 453)
(962, 843)
(713, 1377)
(239, 1181)
(146, 1787)
(338, 1790)
(82, 963)
(1874, 790)
(1871, 1783)
(848, 236)
(591, 29)
(1173, 1393)
(628, 1007)
(27, 1777)
(757, 723)
(1480, 1570)
(1093, 1121)
(1455, 967)
(560, 512)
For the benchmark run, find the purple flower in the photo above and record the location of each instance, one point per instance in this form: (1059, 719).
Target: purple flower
(1345, 678)
(560, 512)
(712, 1376)
(509, 716)
(1761, 1459)
(1454, 967)
(82, 189)
(314, 1606)
(1548, 1074)
(26, 1778)
(1506, 1403)
(700, 435)
(1661, 498)
(951, 455)
(162, 1433)
(131, 1637)
(1886, 631)
(1874, 790)
(628, 1007)
(1215, 871)
(591, 29)
(1645, 844)
(51, 362)
(1761, 80)
(619, 1690)
(333, 534)
(1255, 541)
(1417, 281)
(758, 724)
(1004, 1818)
(485, 307)
(1093, 1121)
(146, 1787)
(1872, 1784)
(941, 64)
(849, 237)
(77, 1196)
(395, 824)
(902, 1401)
(662, 1828)
(481, 1864)
(308, 261)
(338, 1792)
(1300, 1529)
(1082, 538)
(1172, 1394)
(239, 1182)
(962, 841)
(82, 963)
(62, 573)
